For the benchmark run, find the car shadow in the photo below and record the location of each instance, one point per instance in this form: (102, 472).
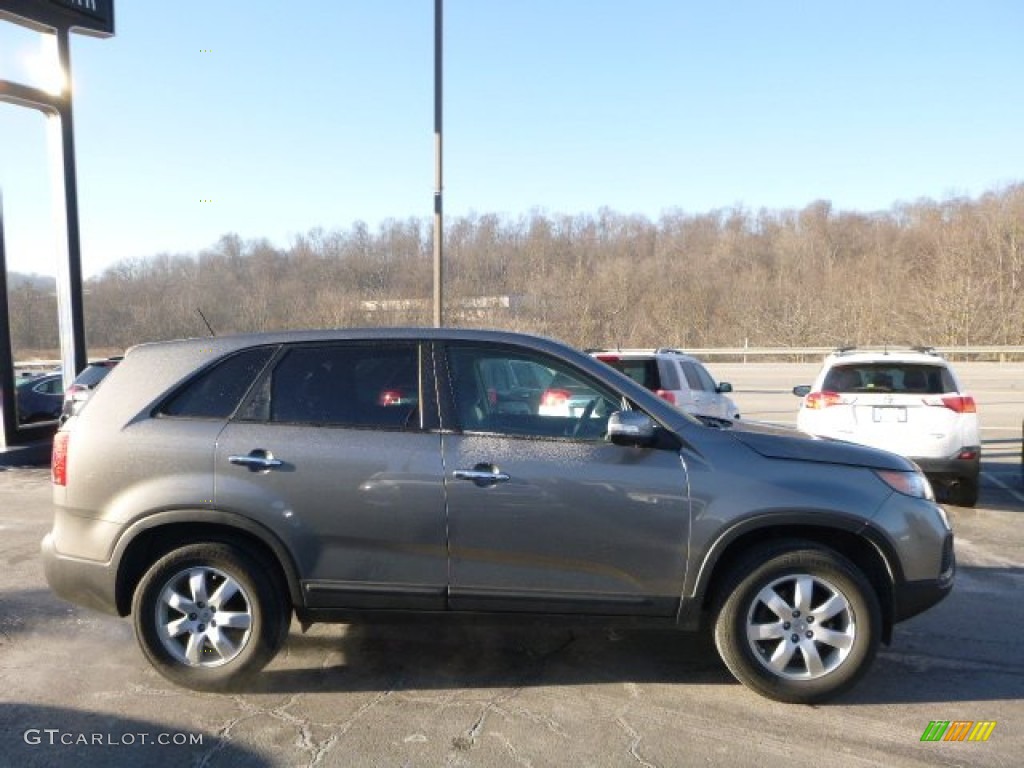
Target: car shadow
(418, 656)
(1001, 486)
(926, 662)
(940, 656)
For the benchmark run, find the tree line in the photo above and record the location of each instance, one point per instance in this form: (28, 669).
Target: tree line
(944, 273)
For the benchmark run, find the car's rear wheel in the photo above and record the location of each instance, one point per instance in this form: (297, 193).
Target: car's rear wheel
(207, 616)
(797, 623)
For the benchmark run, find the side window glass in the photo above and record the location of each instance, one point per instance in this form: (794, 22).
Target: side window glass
(531, 375)
(643, 372)
(215, 393)
(945, 385)
(552, 401)
(692, 379)
(706, 382)
(346, 385)
(663, 375)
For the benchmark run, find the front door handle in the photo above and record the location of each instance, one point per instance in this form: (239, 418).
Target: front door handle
(257, 461)
(482, 475)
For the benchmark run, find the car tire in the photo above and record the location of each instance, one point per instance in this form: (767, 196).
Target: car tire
(964, 492)
(797, 623)
(183, 595)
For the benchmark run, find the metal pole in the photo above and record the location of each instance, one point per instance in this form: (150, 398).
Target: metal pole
(69, 280)
(8, 399)
(73, 336)
(438, 185)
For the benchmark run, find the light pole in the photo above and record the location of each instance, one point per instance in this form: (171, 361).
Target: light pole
(438, 176)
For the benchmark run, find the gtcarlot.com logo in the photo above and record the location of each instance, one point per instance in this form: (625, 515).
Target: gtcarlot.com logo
(958, 730)
(55, 737)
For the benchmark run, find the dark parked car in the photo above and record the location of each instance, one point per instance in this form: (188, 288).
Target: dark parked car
(40, 398)
(213, 488)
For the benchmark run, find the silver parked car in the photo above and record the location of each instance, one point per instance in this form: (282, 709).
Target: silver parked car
(675, 376)
(213, 488)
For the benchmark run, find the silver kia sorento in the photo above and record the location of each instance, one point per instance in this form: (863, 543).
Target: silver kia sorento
(212, 488)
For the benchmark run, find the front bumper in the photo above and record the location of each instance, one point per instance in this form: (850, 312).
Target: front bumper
(83, 582)
(913, 597)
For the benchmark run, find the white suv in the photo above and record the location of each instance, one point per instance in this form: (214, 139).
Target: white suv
(906, 401)
(674, 376)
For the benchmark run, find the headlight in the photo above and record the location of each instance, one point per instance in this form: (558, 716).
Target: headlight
(908, 483)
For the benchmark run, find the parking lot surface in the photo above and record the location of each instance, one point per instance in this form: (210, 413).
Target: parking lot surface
(75, 689)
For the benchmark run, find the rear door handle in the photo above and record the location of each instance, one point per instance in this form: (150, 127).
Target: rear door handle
(257, 461)
(482, 475)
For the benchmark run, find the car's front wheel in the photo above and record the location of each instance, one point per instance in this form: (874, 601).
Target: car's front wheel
(797, 623)
(209, 615)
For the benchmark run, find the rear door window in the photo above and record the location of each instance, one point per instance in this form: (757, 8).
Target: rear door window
(374, 386)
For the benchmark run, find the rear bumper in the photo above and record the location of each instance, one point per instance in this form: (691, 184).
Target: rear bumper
(951, 467)
(83, 582)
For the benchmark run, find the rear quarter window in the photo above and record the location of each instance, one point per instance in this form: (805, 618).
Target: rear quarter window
(216, 392)
(643, 372)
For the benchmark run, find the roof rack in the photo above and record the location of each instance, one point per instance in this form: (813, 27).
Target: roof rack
(886, 349)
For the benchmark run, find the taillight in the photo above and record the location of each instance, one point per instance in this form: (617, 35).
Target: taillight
(818, 401)
(960, 403)
(957, 403)
(59, 459)
(667, 395)
(608, 358)
(555, 397)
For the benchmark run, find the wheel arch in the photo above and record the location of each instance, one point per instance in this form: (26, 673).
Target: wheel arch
(859, 544)
(155, 537)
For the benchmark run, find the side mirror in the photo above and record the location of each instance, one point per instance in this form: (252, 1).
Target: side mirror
(802, 391)
(724, 388)
(631, 428)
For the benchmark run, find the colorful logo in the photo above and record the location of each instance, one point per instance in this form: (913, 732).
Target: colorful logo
(958, 730)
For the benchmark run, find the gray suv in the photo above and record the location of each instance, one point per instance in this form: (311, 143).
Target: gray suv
(213, 488)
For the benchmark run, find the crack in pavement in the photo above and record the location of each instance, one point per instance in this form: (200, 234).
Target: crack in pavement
(305, 740)
(637, 738)
(467, 741)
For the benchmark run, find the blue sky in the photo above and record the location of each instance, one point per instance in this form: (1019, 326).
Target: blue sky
(290, 116)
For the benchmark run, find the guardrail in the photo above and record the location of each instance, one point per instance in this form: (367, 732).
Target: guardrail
(36, 366)
(804, 354)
